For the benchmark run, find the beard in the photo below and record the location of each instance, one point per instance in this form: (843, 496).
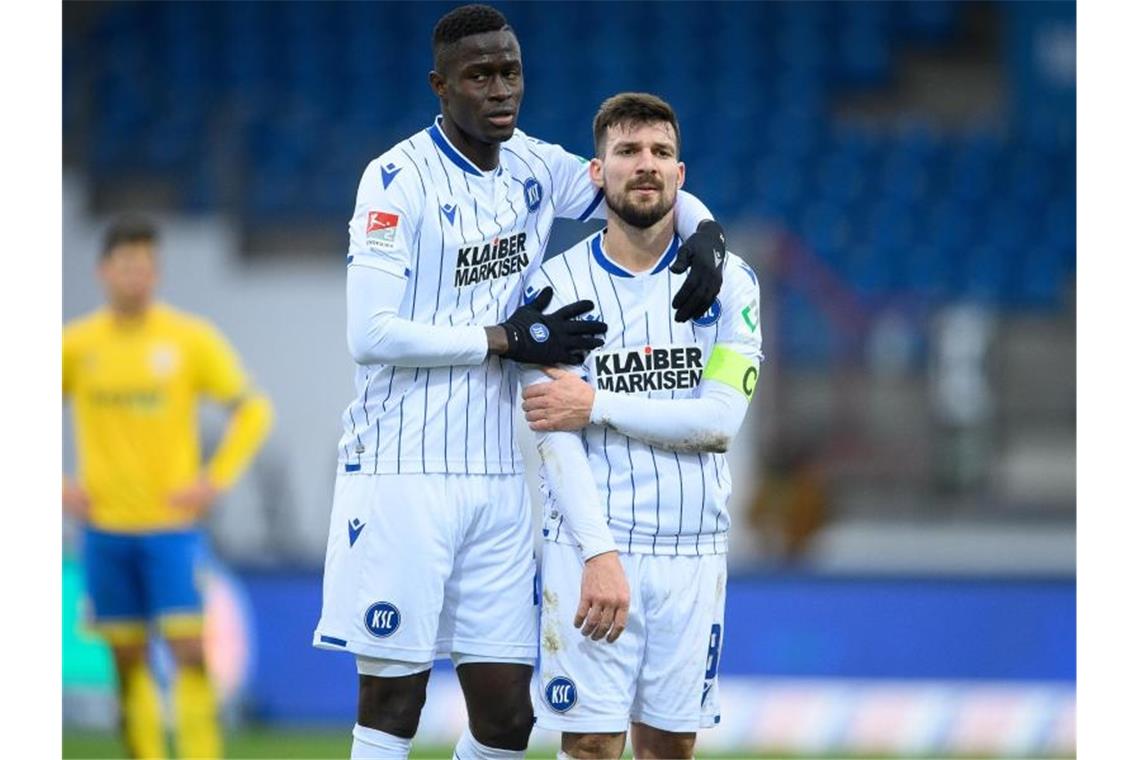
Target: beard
(640, 215)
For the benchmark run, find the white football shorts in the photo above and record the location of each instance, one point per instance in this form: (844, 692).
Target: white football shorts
(422, 566)
(662, 670)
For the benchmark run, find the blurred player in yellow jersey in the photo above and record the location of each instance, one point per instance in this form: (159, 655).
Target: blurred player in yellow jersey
(134, 372)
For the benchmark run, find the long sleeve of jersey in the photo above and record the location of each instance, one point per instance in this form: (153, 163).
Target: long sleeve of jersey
(706, 423)
(249, 423)
(568, 476)
(377, 336)
(220, 376)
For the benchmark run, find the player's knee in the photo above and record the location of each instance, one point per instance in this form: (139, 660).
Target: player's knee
(127, 657)
(187, 652)
(651, 742)
(593, 746)
(504, 723)
(392, 705)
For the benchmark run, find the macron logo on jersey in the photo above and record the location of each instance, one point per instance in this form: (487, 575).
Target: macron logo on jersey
(388, 173)
(648, 369)
(491, 260)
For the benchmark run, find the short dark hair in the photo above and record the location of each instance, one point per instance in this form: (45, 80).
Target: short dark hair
(128, 230)
(461, 22)
(632, 109)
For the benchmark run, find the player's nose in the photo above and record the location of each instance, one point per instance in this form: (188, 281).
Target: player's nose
(500, 89)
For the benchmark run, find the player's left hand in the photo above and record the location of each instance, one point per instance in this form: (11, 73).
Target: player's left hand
(703, 255)
(196, 499)
(562, 404)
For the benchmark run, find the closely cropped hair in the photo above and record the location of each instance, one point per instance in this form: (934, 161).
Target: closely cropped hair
(629, 109)
(464, 21)
(128, 230)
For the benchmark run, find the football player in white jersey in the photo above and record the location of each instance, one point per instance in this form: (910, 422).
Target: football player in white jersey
(632, 444)
(430, 543)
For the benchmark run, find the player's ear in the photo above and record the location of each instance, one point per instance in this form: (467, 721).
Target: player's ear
(596, 172)
(438, 83)
(680, 174)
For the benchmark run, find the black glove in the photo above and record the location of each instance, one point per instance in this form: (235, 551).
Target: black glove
(703, 255)
(549, 339)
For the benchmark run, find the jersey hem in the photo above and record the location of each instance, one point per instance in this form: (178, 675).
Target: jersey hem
(667, 546)
(429, 467)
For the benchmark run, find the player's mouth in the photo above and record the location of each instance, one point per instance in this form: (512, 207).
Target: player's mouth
(501, 118)
(644, 191)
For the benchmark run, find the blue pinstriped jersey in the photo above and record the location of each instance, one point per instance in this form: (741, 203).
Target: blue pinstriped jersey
(463, 239)
(656, 501)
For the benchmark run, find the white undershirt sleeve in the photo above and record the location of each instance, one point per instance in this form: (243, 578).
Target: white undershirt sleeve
(566, 469)
(377, 336)
(707, 423)
(568, 475)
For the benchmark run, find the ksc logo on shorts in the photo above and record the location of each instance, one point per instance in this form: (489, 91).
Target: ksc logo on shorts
(382, 619)
(561, 694)
(539, 332)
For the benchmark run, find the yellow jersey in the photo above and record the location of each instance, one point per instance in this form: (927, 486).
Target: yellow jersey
(135, 386)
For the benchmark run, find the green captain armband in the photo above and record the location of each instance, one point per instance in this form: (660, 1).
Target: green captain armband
(734, 370)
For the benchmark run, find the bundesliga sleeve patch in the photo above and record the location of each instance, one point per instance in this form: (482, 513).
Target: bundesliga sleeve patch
(381, 230)
(734, 370)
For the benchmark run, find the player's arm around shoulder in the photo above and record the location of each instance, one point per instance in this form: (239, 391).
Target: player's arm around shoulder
(573, 195)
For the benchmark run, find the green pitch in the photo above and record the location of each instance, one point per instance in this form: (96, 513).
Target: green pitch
(322, 744)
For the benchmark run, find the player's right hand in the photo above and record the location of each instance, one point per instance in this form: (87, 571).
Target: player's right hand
(555, 338)
(75, 500)
(603, 609)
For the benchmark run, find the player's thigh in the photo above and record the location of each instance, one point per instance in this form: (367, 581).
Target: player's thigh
(677, 689)
(491, 595)
(391, 548)
(114, 587)
(173, 571)
(583, 686)
(654, 744)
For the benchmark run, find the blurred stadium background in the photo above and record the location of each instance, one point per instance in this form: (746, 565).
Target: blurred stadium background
(901, 176)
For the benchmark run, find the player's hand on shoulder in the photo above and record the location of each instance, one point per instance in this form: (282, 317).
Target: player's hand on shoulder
(703, 254)
(562, 404)
(555, 338)
(76, 503)
(603, 609)
(197, 498)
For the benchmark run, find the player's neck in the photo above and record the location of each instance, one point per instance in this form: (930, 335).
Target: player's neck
(484, 155)
(128, 314)
(637, 248)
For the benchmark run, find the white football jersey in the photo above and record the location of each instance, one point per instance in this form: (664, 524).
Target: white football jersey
(464, 239)
(656, 501)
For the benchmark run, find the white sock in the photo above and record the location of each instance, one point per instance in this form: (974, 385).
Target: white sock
(371, 744)
(467, 748)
